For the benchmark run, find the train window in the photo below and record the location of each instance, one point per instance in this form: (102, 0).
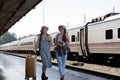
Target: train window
(73, 38)
(109, 34)
(77, 36)
(27, 43)
(118, 32)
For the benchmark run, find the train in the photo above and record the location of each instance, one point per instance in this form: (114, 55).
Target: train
(97, 40)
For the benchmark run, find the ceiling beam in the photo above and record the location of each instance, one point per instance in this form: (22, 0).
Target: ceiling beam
(8, 0)
(9, 16)
(20, 5)
(1, 5)
(9, 11)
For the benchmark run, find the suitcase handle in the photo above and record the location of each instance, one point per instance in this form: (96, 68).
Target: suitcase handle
(35, 51)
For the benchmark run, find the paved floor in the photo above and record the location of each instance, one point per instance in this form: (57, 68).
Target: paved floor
(13, 68)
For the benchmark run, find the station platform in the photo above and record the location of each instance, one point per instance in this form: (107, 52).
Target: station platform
(13, 68)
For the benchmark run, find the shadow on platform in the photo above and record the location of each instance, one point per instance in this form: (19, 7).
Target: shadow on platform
(2, 77)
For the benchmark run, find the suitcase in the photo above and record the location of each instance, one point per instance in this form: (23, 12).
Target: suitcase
(30, 67)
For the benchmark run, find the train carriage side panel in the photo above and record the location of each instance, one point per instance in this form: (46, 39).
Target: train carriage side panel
(27, 44)
(53, 35)
(104, 37)
(74, 36)
(5, 47)
(15, 45)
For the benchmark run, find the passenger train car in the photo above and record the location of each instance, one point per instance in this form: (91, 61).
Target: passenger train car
(96, 40)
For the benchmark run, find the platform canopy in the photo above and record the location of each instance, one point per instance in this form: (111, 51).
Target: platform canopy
(12, 11)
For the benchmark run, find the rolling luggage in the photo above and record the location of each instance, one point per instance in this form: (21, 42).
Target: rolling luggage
(30, 67)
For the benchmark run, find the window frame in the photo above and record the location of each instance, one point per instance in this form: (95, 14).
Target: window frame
(72, 38)
(118, 34)
(109, 34)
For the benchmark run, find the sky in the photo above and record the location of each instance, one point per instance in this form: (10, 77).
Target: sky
(71, 13)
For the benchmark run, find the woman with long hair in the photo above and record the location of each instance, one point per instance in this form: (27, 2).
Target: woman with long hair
(61, 42)
(44, 50)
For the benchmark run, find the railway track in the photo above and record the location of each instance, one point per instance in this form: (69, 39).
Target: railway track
(96, 73)
(80, 67)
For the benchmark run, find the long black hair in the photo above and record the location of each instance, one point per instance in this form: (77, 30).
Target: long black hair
(64, 35)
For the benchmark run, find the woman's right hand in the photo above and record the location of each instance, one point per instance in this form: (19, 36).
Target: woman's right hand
(48, 38)
(61, 43)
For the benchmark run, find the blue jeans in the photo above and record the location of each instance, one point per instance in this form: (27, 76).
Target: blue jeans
(61, 60)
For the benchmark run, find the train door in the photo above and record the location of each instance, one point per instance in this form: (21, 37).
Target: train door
(82, 42)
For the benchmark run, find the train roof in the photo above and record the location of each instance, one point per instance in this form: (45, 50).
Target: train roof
(112, 17)
(74, 27)
(104, 17)
(80, 26)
